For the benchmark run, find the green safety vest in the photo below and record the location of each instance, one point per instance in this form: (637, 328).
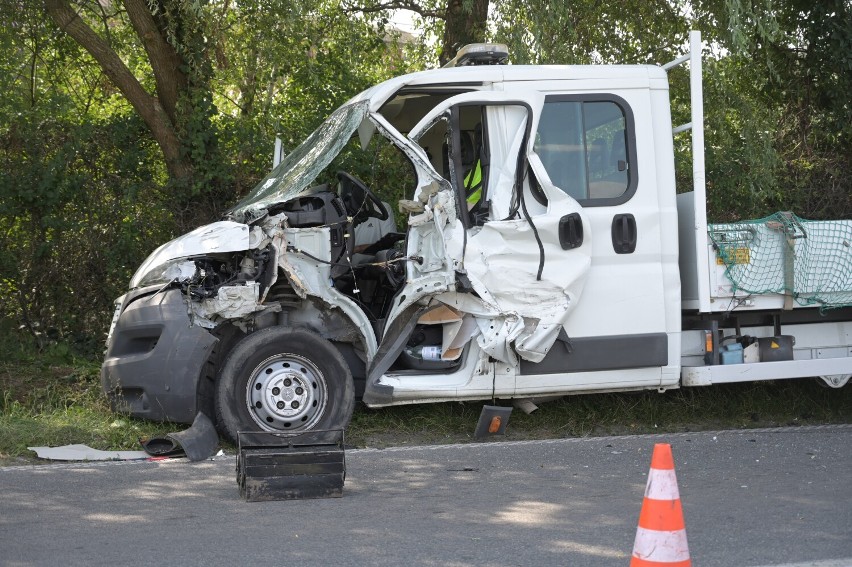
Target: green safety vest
(473, 183)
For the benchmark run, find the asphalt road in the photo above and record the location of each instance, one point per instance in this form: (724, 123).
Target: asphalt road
(750, 498)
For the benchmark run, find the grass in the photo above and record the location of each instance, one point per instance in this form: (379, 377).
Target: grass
(734, 406)
(48, 404)
(55, 399)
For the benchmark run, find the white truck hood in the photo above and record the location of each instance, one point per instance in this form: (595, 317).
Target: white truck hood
(217, 237)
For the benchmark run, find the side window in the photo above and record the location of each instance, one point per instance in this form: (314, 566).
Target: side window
(584, 144)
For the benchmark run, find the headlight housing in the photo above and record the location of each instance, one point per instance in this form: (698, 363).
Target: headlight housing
(163, 273)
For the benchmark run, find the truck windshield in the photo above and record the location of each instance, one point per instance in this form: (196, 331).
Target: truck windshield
(296, 172)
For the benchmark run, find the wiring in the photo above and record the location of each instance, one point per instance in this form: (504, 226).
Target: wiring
(532, 226)
(418, 259)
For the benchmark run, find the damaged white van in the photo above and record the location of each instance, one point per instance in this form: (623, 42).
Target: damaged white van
(539, 258)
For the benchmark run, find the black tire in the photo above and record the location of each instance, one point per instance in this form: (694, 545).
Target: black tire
(281, 379)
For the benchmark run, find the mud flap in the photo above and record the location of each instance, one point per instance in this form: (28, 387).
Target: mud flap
(199, 442)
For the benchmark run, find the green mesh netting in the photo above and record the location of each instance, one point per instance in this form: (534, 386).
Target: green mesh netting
(781, 253)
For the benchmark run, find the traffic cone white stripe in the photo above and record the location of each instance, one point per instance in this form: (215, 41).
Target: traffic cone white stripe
(662, 485)
(663, 547)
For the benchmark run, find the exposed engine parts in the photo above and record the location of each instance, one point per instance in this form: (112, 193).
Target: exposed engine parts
(239, 286)
(213, 273)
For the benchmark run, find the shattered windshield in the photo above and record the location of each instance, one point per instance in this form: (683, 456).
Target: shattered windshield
(298, 170)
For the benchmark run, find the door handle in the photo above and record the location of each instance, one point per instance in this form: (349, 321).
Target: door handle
(571, 231)
(624, 234)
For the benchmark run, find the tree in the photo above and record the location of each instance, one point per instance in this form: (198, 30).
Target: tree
(172, 34)
(458, 22)
(95, 187)
(789, 124)
(589, 31)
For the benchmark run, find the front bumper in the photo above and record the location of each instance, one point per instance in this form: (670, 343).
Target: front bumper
(155, 357)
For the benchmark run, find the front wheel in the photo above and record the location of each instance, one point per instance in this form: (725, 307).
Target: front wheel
(280, 379)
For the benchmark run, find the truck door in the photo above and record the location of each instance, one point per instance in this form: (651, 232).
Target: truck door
(520, 258)
(624, 332)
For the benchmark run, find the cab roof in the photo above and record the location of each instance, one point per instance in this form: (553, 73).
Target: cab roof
(479, 75)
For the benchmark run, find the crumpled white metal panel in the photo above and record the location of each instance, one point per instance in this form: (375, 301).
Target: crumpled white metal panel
(217, 237)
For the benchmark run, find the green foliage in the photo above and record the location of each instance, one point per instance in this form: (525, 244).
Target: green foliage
(546, 32)
(74, 221)
(90, 196)
(743, 165)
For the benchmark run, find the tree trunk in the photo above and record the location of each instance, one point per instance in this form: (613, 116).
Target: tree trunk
(148, 107)
(165, 62)
(464, 23)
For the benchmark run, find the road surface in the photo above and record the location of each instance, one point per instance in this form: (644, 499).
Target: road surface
(750, 498)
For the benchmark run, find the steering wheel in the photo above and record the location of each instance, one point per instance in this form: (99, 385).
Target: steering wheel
(358, 198)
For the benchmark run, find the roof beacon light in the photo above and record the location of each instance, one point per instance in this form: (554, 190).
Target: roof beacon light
(480, 54)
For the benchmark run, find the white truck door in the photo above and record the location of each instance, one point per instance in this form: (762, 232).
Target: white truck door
(521, 259)
(599, 149)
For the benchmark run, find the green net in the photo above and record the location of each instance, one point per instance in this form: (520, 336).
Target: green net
(811, 261)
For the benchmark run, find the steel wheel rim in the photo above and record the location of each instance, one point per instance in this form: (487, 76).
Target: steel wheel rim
(286, 392)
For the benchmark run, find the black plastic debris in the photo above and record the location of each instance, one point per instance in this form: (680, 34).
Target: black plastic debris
(199, 442)
(162, 447)
(291, 466)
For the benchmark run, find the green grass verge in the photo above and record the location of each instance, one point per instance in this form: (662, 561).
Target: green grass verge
(56, 400)
(48, 404)
(734, 406)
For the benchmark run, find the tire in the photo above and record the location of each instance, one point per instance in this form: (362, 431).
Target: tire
(280, 379)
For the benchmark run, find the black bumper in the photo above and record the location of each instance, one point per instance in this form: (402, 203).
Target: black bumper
(155, 357)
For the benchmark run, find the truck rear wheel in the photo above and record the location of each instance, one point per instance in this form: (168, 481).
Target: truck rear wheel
(280, 379)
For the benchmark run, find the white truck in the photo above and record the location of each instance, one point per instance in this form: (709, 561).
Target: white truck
(547, 252)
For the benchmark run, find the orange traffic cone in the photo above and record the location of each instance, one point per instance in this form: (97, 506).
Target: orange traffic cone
(661, 535)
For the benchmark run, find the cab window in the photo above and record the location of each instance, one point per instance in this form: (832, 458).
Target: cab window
(585, 144)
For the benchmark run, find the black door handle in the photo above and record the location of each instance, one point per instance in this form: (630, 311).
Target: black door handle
(624, 234)
(571, 231)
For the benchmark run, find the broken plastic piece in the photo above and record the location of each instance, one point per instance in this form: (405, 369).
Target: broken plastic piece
(85, 453)
(161, 447)
(526, 405)
(199, 442)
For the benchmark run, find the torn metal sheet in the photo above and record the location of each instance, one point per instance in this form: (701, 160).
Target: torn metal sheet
(503, 261)
(85, 453)
(525, 282)
(304, 254)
